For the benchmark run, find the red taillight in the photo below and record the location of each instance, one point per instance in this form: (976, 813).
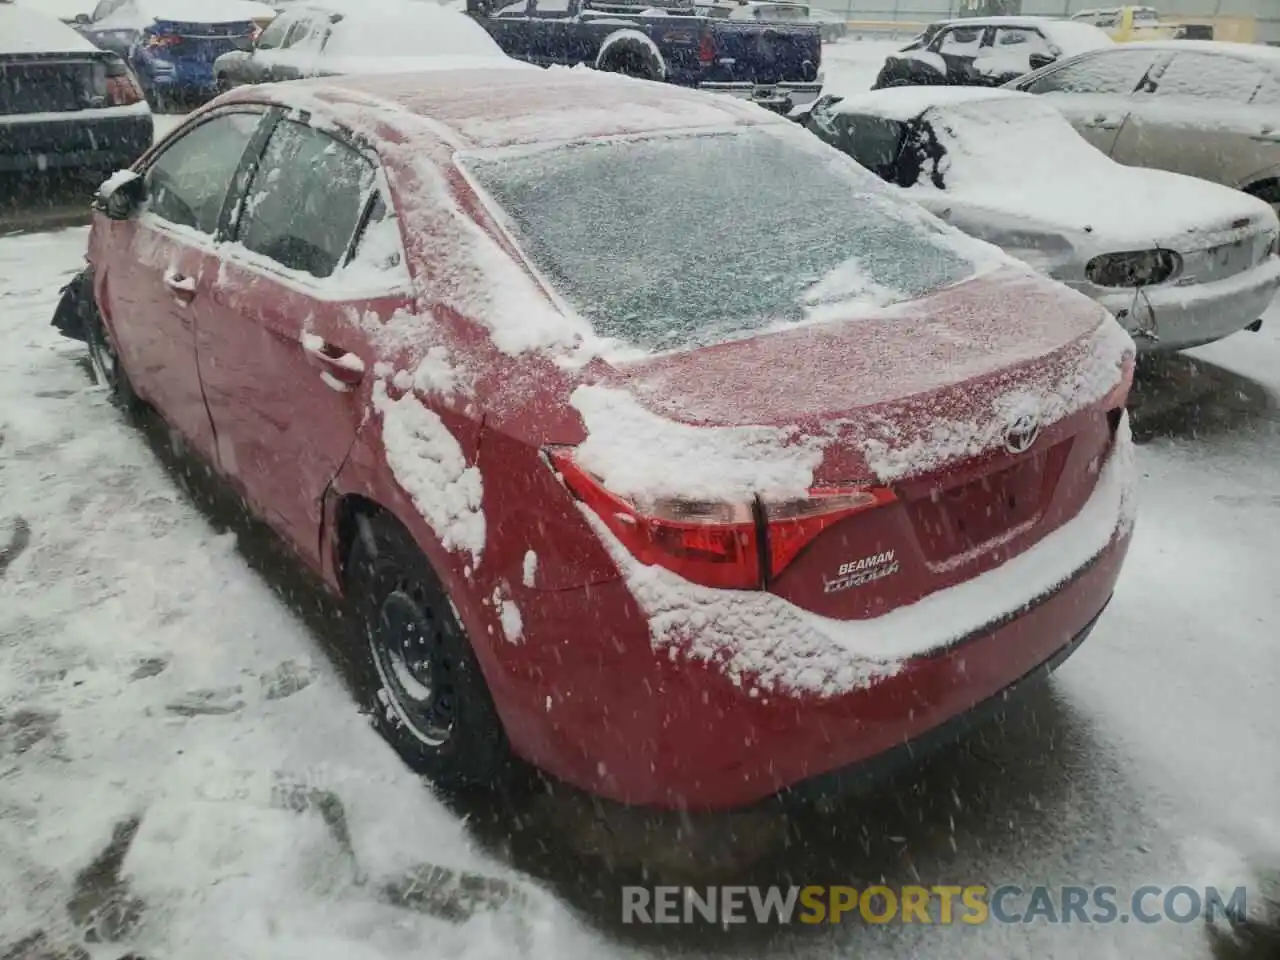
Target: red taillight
(122, 91)
(794, 524)
(712, 543)
(707, 50)
(122, 88)
(163, 40)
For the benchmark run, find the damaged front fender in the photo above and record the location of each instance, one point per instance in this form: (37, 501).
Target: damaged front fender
(76, 306)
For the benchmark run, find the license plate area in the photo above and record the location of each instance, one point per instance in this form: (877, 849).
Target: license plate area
(961, 522)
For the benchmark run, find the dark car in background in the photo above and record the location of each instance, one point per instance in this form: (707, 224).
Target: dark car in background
(987, 51)
(64, 104)
(171, 44)
(774, 64)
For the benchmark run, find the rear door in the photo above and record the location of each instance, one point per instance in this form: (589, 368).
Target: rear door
(150, 271)
(1095, 92)
(959, 46)
(283, 341)
(1195, 117)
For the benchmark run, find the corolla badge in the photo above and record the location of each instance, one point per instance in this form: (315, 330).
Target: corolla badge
(1023, 433)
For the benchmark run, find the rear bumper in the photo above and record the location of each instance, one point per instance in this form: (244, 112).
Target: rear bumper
(1183, 317)
(109, 138)
(650, 725)
(779, 97)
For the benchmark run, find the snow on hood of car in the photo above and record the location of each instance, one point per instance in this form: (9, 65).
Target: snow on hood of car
(409, 32)
(444, 61)
(24, 30)
(142, 13)
(1073, 37)
(767, 645)
(1013, 153)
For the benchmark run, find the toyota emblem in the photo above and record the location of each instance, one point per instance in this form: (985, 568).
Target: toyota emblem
(1022, 433)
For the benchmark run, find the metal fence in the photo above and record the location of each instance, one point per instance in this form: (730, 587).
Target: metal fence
(1265, 13)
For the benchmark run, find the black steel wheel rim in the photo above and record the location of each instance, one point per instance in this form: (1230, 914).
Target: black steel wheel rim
(414, 666)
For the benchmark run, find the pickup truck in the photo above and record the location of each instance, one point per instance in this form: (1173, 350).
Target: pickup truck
(774, 64)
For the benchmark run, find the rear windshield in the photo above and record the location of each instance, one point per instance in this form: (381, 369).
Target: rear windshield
(671, 242)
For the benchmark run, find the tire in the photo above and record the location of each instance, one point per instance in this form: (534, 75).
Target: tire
(105, 366)
(632, 60)
(435, 711)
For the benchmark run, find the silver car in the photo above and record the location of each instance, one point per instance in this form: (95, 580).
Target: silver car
(1178, 261)
(1207, 109)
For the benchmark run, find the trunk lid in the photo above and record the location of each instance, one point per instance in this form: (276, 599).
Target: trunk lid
(980, 407)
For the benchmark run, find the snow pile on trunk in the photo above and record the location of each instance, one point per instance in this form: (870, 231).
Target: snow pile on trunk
(1087, 376)
(767, 645)
(637, 453)
(428, 462)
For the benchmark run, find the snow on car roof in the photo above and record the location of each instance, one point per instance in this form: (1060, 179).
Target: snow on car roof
(907, 103)
(23, 30)
(1071, 35)
(1253, 51)
(497, 108)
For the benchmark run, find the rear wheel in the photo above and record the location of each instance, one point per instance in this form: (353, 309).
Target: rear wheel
(633, 60)
(418, 675)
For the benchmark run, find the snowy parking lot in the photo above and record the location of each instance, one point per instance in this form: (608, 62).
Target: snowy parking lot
(184, 774)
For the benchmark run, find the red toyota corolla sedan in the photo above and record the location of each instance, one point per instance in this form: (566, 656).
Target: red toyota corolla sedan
(652, 440)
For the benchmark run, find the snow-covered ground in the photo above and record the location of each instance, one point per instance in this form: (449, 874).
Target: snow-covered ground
(152, 686)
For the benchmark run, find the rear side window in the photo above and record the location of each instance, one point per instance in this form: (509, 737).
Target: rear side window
(1204, 76)
(306, 200)
(188, 183)
(1117, 71)
(961, 41)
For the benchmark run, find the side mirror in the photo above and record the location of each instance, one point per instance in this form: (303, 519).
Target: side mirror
(121, 194)
(1040, 60)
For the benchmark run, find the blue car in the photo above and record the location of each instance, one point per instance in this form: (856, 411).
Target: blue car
(171, 44)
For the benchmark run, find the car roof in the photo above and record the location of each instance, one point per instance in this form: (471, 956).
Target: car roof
(23, 30)
(907, 103)
(1224, 48)
(481, 108)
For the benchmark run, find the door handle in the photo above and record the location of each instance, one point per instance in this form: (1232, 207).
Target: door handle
(338, 369)
(182, 288)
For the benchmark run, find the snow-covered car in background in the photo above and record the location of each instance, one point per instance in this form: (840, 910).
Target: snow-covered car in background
(64, 104)
(570, 503)
(1177, 260)
(171, 44)
(832, 26)
(323, 38)
(987, 51)
(1208, 109)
